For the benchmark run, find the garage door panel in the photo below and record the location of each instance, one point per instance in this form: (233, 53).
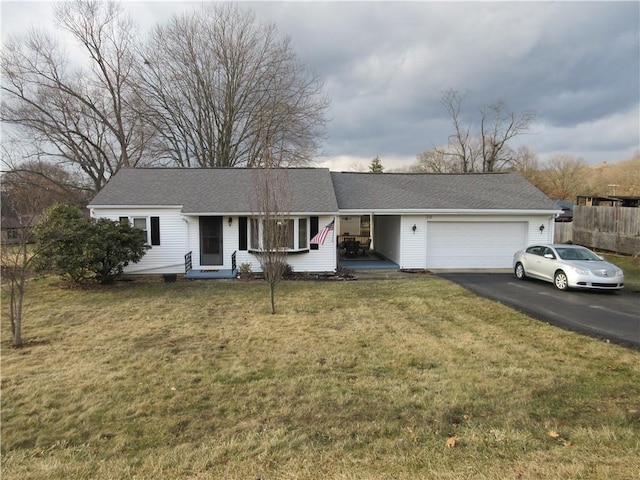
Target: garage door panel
(474, 244)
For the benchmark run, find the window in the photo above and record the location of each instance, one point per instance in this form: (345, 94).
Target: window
(141, 223)
(290, 234)
(535, 250)
(151, 232)
(255, 231)
(302, 233)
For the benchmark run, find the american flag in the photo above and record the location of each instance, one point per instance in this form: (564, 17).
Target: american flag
(321, 236)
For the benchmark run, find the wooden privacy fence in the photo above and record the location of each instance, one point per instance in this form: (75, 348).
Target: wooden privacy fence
(616, 229)
(563, 232)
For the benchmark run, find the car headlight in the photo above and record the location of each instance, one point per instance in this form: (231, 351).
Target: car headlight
(619, 272)
(581, 271)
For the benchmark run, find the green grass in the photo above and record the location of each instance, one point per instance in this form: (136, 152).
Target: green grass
(631, 267)
(349, 380)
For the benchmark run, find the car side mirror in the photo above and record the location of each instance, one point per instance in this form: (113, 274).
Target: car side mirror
(548, 255)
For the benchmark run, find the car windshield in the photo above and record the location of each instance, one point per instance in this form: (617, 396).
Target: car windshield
(577, 254)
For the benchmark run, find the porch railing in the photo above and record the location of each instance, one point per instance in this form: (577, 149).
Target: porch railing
(234, 268)
(188, 265)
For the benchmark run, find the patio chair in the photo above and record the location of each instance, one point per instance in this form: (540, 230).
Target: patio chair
(364, 247)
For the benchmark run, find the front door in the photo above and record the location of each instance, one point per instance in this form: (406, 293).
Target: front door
(210, 240)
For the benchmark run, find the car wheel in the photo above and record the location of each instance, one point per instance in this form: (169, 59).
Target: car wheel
(519, 271)
(560, 280)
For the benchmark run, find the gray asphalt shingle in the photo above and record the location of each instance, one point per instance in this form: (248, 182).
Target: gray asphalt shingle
(419, 191)
(316, 190)
(215, 190)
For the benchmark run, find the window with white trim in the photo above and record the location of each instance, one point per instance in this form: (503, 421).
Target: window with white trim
(149, 225)
(141, 224)
(292, 234)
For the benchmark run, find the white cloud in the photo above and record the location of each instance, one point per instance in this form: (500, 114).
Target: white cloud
(577, 64)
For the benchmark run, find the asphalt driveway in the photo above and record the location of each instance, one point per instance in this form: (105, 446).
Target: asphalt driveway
(614, 316)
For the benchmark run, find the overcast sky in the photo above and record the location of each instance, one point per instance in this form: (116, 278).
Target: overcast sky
(386, 64)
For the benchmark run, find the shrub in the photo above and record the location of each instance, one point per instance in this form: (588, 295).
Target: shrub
(245, 270)
(81, 249)
(62, 234)
(112, 246)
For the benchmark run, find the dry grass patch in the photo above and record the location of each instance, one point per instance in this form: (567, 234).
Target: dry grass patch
(353, 380)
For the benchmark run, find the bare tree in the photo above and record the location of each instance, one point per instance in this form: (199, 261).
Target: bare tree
(488, 150)
(497, 127)
(216, 83)
(433, 161)
(461, 144)
(271, 228)
(22, 205)
(80, 113)
(525, 162)
(566, 177)
(621, 178)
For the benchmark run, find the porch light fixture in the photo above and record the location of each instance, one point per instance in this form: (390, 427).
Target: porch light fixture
(414, 228)
(230, 221)
(541, 228)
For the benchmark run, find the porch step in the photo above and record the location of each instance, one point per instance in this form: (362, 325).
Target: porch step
(210, 274)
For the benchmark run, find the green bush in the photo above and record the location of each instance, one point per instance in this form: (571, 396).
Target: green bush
(82, 249)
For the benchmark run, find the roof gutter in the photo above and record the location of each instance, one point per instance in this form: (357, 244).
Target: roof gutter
(128, 207)
(249, 214)
(443, 211)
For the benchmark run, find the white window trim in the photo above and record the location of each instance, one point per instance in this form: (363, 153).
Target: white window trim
(296, 234)
(147, 225)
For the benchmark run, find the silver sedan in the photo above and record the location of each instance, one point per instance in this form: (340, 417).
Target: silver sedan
(567, 266)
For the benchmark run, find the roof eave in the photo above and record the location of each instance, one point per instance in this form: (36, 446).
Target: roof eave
(99, 205)
(447, 211)
(249, 214)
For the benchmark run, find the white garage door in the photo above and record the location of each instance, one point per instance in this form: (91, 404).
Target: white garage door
(474, 244)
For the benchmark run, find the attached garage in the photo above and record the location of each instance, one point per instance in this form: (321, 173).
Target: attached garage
(474, 244)
(452, 221)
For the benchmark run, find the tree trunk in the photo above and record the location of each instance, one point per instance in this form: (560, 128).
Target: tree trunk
(272, 292)
(16, 296)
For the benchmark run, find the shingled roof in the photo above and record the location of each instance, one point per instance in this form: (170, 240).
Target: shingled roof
(214, 190)
(316, 190)
(423, 191)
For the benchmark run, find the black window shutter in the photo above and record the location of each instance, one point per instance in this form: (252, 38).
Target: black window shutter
(155, 230)
(313, 231)
(242, 232)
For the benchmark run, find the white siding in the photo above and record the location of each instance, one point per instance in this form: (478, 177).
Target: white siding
(387, 236)
(349, 225)
(322, 260)
(229, 242)
(168, 257)
(414, 255)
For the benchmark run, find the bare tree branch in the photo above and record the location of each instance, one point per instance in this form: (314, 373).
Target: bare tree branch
(217, 83)
(84, 119)
(491, 145)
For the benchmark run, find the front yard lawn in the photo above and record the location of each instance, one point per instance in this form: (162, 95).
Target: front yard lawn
(631, 267)
(404, 379)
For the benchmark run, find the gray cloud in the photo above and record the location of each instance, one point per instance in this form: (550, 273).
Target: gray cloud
(576, 64)
(385, 64)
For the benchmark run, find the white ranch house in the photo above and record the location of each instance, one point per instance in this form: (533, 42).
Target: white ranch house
(416, 221)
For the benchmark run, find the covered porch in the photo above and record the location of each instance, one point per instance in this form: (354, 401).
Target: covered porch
(369, 261)
(356, 245)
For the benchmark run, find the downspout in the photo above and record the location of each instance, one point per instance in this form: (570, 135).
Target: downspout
(186, 220)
